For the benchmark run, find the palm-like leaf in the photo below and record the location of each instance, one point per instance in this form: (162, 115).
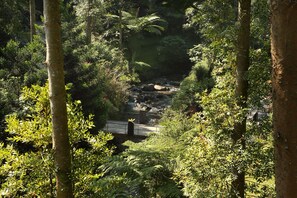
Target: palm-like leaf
(148, 23)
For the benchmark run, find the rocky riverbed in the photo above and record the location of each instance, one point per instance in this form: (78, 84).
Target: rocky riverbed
(148, 101)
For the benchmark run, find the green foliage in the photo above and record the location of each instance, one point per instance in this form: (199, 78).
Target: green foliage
(213, 19)
(192, 156)
(198, 81)
(215, 51)
(205, 164)
(204, 154)
(206, 168)
(149, 23)
(12, 20)
(24, 62)
(260, 69)
(196, 155)
(172, 52)
(20, 65)
(100, 72)
(260, 168)
(21, 170)
(8, 97)
(175, 124)
(203, 169)
(146, 169)
(97, 69)
(141, 171)
(136, 27)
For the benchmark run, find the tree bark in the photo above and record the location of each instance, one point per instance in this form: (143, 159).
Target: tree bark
(32, 19)
(57, 96)
(284, 89)
(89, 23)
(121, 30)
(241, 89)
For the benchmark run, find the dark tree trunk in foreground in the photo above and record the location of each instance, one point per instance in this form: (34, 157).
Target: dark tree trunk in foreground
(284, 82)
(32, 19)
(54, 60)
(241, 89)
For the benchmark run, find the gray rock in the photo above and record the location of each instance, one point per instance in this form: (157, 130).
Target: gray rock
(135, 89)
(148, 87)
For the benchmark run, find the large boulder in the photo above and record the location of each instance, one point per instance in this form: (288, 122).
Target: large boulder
(160, 88)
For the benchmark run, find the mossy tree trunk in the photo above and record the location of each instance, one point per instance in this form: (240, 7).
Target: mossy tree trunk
(241, 89)
(284, 89)
(57, 96)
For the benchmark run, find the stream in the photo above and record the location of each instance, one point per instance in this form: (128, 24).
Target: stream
(147, 101)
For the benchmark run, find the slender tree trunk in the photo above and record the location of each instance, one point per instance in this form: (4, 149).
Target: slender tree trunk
(89, 23)
(32, 19)
(133, 58)
(236, 9)
(121, 30)
(137, 12)
(241, 90)
(284, 86)
(151, 5)
(57, 95)
(121, 25)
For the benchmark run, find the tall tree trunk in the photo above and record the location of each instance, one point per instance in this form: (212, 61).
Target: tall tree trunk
(284, 86)
(121, 24)
(89, 23)
(57, 95)
(32, 19)
(121, 30)
(241, 90)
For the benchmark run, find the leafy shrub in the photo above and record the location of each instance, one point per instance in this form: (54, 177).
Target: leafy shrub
(101, 73)
(20, 65)
(146, 169)
(198, 81)
(22, 171)
(206, 168)
(173, 56)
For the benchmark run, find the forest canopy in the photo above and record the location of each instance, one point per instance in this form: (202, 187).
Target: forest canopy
(220, 135)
